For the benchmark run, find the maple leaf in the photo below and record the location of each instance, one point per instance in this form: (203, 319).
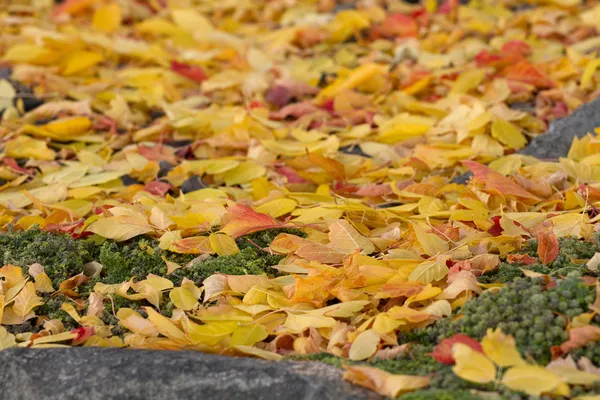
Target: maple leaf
(579, 337)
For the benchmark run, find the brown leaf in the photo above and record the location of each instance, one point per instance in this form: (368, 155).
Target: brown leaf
(547, 242)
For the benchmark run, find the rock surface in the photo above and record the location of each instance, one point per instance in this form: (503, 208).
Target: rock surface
(556, 142)
(98, 373)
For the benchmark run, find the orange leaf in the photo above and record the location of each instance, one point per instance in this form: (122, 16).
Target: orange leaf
(321, 253)
(579, 337)
(333, 167)
(496, 181)
(526, 72)
(192, 245)
(547, 243)
(72, 7)
(244, 220)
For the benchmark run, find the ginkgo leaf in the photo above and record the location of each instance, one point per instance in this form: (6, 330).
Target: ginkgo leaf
(345, 238)
(472, 365)
(531, 379)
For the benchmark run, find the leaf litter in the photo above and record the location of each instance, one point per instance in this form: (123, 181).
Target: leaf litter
(275, 179)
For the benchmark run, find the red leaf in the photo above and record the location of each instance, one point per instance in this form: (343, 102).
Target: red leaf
(443, 351)
(12, 164)
(396, 25)
(157, 188)
(244, 220)
(448, 6)
(547, 243)
(516, 48)
(496, 230)
(496, 181)
(83, 334)
(520, 258)
(189, 71)
(291, 175)
(526, 72)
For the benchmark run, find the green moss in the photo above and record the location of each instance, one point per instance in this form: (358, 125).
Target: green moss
(570, 250)
(137, 257)
(535, 317)
(64, 257)
(61, 256)
(249, 261)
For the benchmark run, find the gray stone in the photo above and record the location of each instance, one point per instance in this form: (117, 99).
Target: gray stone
(98, 373)
(556, 142)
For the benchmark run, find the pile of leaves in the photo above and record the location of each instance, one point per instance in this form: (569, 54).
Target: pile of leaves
(278, 178)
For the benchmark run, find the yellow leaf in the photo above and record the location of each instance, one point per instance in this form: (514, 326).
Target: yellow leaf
(26, 300)
(27, 53)
(508, 134)
(364, 346)
(501, 349)
(344, 237)
(432, 244)
(7, 340)
(260, 353)
(79, 61)
(190, 20)
(531, 379)
(467, 81)
(471, 365)
(120, 228)
(133, 321)
(384, 383)
(107, 18)
(43, 283)
(429, 271)
(164, 326)
(7, 94)
(27, 147)
(210, 334)
(183, 298)
(572, 375)
(248, 335)
(277, 208)
(296, 323)
(244, 173)
(159, 219)
(223, 245)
